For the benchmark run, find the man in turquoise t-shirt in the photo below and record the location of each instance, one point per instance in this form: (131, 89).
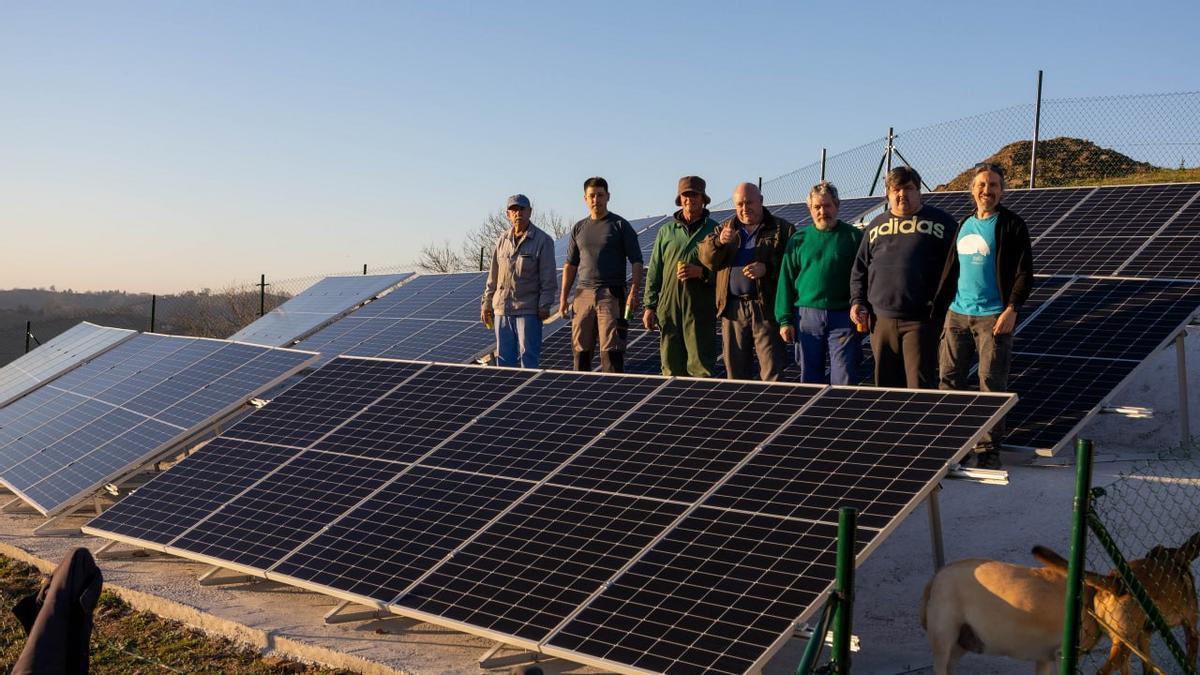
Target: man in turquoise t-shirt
(990, 272)
(812, 303)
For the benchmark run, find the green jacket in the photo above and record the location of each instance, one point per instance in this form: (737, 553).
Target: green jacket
(680, 304)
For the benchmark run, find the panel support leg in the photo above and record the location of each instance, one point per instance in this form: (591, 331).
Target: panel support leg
(489, 660)
(935, 529)
(340, 615)
(217, 576)
(16, 505)
(1185, 426)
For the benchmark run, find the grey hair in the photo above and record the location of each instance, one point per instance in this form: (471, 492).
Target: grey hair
(825, 188)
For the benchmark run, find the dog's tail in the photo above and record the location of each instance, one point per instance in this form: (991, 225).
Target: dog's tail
(1058, 563)
(1050, 558)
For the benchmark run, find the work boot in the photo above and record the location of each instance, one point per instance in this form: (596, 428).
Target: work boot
(583, 361)
(612, 362)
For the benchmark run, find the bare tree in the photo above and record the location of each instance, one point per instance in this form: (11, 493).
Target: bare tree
(440, 259)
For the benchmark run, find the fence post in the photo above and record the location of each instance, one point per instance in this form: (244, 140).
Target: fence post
(364, 269)
(823, 151)
(1069, 657)
(760, 183)
(1185, 430)
(28, 334)
(844, 587)
(1037, 128)
(153, 310)
(481, 250)
(262, 295)
(890, 145)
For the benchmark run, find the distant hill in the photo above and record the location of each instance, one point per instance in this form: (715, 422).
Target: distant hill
(1067, 161)
(206, 313)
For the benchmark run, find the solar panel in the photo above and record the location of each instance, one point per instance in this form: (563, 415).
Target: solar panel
(552, 418)
(1175, 252)
(1109, 227)
(321, 303)
(534, 496)
(957, 204)
(124, 407)
(671, 448)
(390, 540)
(1069, 358)
(713, 596)
(1042, 209)
(527, 572)
(433, 317)
(58, 355)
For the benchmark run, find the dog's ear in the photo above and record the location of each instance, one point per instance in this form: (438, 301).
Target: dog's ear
(1049, 558)
(1190, 549)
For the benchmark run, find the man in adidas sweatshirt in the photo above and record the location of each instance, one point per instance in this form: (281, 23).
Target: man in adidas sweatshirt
(894, 282)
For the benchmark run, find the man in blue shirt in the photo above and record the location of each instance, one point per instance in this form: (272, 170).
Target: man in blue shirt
(988, 275)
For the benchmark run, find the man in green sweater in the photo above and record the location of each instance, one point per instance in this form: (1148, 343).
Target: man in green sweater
(812, 303)
(680, 295)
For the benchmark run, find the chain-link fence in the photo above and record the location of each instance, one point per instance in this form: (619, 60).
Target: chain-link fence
(1150, 138)
(1089, 141)
(1152, 515)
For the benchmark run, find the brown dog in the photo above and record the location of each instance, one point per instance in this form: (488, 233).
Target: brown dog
(1166, 574)
(993, 607)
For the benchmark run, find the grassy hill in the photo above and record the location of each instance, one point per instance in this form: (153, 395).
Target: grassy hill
(1073, 161)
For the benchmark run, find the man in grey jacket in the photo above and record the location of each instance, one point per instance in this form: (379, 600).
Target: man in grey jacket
(520, 288)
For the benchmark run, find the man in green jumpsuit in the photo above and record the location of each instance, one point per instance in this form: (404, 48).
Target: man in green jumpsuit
(680, 297)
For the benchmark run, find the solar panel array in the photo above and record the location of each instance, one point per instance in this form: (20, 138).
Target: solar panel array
(1070, 357)
(627, 522)
(58, 355)
(432, 317)
(125, 406)
(320, 304)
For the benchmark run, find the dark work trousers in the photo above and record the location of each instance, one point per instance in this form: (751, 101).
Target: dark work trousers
(748, 331)
(58, 618)
(905, 353)
(598, 316)
(964, 338)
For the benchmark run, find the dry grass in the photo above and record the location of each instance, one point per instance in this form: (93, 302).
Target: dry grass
(130, 642)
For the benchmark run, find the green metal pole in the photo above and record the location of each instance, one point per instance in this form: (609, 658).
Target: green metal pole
(844, 587)
(153, 310)
(1140, 593)
(1074, 607)
(812, 651)
(364, 269)
(262, 295)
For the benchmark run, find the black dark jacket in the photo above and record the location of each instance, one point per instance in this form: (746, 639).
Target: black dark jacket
(1014, 264)
(58, 618)
(772, 241)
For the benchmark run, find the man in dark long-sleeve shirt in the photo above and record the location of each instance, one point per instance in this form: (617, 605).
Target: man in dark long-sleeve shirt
(894, 282)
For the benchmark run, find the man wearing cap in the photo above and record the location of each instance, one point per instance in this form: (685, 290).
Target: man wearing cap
(519, 294)
(680, 294)
(746, 252)
(894, 281)
(597, 250)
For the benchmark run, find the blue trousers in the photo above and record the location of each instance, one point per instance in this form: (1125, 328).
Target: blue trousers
(518, 340)
(822, 334)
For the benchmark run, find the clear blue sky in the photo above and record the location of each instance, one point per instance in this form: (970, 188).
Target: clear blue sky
(159, 146)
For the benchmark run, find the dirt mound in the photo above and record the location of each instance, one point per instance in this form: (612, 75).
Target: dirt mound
(1061, 161)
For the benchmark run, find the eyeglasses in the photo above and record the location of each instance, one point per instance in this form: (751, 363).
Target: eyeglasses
(991, 166)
